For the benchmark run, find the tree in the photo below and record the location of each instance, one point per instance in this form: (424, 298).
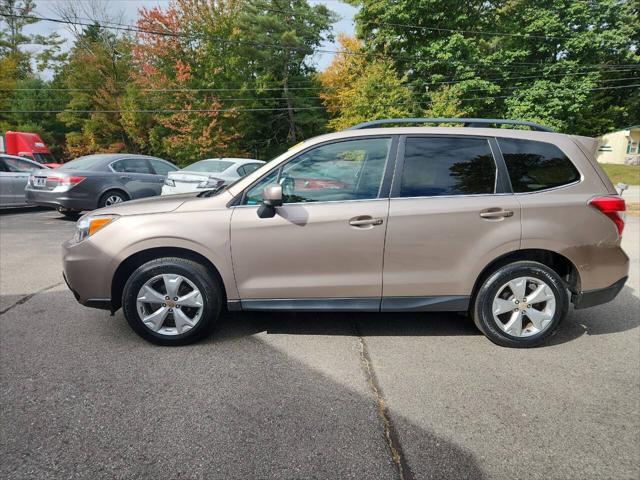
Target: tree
(519, 58)
(15, 15)
(96, 74)
(358, 89)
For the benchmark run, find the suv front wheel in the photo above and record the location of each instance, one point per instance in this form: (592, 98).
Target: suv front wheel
(521, 304)
(171, 301)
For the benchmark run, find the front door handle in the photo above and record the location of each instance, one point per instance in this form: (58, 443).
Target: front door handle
(364, 221)
(496, 213)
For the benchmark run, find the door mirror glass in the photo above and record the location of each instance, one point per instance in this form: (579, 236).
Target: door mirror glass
(272, 195)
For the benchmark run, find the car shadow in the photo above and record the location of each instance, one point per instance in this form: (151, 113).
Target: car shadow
(613, 317)
(619, 315)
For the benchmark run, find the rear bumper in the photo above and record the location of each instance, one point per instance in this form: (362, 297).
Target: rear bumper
(599, 296)
(47, 198)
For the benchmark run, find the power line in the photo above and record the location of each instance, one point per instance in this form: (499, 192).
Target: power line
(133, 29)
(239, 110)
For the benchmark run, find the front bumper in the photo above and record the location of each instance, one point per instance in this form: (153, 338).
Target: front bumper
(599, 296)
(85, 271)
(49, 198)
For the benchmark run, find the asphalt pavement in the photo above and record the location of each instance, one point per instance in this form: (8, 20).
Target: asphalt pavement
(365, 396)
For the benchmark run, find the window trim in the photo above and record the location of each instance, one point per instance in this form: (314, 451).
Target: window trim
(499, 186)
(557, 187)
(383, 191)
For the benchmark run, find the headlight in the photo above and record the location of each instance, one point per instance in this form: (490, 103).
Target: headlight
(90, 224)
(169, 183)
(211, 182)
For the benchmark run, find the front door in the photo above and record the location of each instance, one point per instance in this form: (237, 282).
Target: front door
(325, 245)
(450, 215)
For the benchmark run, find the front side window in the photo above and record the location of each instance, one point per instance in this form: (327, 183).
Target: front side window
(439, 166)
(535, 165)
(132, 165)
(349, 170)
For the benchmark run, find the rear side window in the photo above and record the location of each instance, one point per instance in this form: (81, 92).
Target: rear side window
(438, 166)
(132, 165)
(535, 165)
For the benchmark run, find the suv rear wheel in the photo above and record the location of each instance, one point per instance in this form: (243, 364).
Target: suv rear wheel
(521, 304)
(171, 301)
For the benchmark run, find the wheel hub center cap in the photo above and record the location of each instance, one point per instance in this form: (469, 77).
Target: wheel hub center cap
(171, 303)
(522, 306)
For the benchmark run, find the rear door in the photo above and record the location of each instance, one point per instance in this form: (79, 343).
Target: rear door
(324, 246)
(451, 212)
(137, 177)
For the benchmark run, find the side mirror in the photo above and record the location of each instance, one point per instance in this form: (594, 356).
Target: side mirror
(271, 198)
(622, 187)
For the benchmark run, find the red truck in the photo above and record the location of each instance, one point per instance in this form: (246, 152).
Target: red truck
(27, 145)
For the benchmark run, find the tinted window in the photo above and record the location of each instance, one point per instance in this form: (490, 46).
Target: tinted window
(132, 165)
(435, 166)
(536, 165)
(215, 166)
(162, 168)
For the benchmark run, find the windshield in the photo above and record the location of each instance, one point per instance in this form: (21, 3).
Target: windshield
(83, 163)
(209, 166)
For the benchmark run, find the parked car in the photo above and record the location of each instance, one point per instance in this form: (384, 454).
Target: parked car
(208, 174)
(96, 181)
(508, 225)
(14, 174)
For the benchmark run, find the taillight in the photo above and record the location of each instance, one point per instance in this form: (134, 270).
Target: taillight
(611, 207)
(64, 181)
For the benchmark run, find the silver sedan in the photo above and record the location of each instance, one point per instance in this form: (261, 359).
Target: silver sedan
(14, 174)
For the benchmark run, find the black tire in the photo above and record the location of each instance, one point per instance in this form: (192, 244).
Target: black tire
(482, 307)
(70, 214)
(208, 285)
(109, 194)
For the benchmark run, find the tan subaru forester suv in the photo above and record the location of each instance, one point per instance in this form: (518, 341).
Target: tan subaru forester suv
(509, 225)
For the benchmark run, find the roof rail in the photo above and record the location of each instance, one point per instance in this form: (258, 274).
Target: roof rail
(467, 122)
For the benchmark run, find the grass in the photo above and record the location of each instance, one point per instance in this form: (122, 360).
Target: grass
(629, 174)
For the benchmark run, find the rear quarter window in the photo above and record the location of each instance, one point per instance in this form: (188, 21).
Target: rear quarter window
(535, 166)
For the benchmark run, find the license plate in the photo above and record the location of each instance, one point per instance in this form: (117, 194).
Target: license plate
(39, 181)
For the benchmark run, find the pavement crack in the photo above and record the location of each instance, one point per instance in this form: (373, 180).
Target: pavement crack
(390, 433)
(26, 298)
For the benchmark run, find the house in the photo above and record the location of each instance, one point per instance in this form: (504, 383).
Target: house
(621, 147)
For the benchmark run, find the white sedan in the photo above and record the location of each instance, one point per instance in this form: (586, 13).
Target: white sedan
(209, 174)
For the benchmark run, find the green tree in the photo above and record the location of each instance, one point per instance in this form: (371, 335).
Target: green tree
(358, 89)
(15, 15)
(554, 62)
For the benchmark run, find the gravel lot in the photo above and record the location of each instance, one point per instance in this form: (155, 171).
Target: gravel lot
(369, 396)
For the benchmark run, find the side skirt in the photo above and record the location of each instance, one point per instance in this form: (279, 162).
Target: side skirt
(444, 303)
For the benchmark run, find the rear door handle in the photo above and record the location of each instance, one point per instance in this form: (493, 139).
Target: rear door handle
(125, 177)
(365, 220)
(495, 213)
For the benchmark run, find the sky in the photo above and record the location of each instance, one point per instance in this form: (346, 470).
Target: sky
(129, 10)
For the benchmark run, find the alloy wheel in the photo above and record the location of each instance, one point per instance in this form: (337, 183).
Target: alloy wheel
(169, 304)
(524, 306)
